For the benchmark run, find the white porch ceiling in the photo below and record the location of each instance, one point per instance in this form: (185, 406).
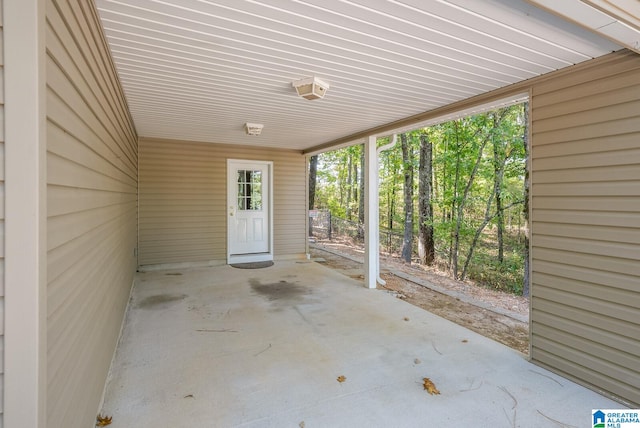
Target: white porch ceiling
(199, 70)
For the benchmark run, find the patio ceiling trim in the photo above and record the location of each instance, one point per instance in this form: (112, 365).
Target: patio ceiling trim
(498, 96)
(618, 21)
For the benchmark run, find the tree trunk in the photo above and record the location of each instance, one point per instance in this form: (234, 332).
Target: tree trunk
(465, 194)
(525, 282)
(498, 173)
(361, 200)
(313, 170)
(349, 181)
(360, 235)
(407, 166)
(454, 243)
(354, 183)
(426, 246)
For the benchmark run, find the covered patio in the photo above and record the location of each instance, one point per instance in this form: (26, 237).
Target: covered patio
(126, 145)
(219, 346)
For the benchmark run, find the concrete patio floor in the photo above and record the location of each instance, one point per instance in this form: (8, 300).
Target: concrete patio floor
(225, 347)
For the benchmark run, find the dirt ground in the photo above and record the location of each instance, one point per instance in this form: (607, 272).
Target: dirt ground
(482, 310)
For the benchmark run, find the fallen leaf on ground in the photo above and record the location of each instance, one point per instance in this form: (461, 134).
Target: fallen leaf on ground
(103, 421)
(189, 396)
(464, 340)
(429, 386)
(417, 361)
(406, 318)
(341, 379)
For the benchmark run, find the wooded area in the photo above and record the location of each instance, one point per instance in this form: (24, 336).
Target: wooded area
(458, 187)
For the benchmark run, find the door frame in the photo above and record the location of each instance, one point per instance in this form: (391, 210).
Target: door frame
(231, 202)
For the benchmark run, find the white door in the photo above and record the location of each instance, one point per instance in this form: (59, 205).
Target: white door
(249, 211)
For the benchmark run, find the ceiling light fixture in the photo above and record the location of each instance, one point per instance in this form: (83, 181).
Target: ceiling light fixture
(253, 128)
(310, 88)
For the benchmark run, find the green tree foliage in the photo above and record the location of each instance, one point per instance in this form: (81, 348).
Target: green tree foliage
(478, 169)
(337, 182)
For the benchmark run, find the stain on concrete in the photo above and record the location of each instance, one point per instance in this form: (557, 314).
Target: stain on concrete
(160, 301)
(282, 290)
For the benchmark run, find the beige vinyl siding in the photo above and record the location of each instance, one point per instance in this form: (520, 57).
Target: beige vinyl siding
(183, 200)
(91, 212)
(585, 317)
(1, 221)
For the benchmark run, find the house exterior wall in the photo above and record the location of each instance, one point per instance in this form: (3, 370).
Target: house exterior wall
(91, 212)
(183, 193)
(1, 223)
(585, 225)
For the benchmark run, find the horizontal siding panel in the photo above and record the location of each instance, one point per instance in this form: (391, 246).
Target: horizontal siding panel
(64, 200)
(623, 105)
(610, 188)
(622, 357)
(608, 218)
(69, 228)
(586, 203)
(63, 172)
(628, 375)
(64, 257)
(102, 70)
(584, 375)
(628, 172)
(564, 361)
(589, 311)
(64, 145)
(589, 160)
(92, 211)
(585, 226)
(606, 279)
(59, 86)
(110, 246)
(607, 264)
(594, 130)
(597, 78)
(607, 249)
(2, 214)
(65, 119)
(93, 77)
(627, 235)
(592, 145)
(184, 196)
(586, 97)
(187, 211)
(591, 324)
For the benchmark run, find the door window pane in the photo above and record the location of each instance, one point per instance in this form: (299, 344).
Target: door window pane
(249, 190)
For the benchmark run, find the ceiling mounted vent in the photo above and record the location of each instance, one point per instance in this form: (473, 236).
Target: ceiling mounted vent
(253, 128)
(311, 88)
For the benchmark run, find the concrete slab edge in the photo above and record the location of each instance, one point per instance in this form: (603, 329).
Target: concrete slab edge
(460, 296)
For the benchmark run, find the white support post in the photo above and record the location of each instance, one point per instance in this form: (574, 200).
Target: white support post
(371, 250)
(25, 214)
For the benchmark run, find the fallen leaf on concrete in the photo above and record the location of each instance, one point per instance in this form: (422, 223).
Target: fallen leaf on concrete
(103, 421)
(406, 318)
(429, 386)
(417, 361)
(464, 340)
(189, 396)
(341, 379)
(301, 424)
